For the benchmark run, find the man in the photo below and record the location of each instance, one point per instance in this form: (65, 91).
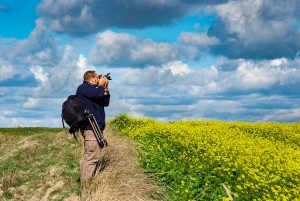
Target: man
(94, 96)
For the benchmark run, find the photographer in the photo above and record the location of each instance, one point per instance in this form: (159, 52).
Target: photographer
(94, 96)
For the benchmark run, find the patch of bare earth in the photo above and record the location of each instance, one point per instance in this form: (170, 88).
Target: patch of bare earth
(119, 177)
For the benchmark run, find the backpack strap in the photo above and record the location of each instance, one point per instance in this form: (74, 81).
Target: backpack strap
(73, 131)
(75, 136)
(62, 120)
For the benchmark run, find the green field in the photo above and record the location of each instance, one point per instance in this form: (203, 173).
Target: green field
(38, 163)
(193, 160)
(198, 160)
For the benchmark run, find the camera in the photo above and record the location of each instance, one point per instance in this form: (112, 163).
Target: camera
(107, 76)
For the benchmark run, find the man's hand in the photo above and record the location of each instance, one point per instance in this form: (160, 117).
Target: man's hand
(103, 81)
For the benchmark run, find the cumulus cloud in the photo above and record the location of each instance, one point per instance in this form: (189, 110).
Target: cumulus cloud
(30, 103)
(166, 87)
(39, 74)
(35, 73)
(177, 68)
(84, 17)
(42, 103)
(170, 91)
(121, 49)
(7, 70)
(276, 75)
(22, 61)
(283, 115)
(260, 29)
(61, 78)
(197, 39)
(194, 46)
(38, 49)
(245, 77)
(249, 91)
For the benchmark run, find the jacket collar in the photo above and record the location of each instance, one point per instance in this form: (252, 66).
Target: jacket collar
(85, 82)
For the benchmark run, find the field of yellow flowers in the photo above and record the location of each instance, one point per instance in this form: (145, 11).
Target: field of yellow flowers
(198, 160)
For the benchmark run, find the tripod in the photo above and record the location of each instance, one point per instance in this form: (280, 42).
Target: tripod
(97, 131)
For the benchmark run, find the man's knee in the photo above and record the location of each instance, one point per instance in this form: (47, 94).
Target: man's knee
(92, 150)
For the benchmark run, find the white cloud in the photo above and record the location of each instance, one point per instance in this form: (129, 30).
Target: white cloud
(30, 103)
(122, 49)
(284, 115)
(167, 87)
(197, 39)
(249, 76)
(111, 46)
(170, 91)
(127, 50)
(27, 57)
(149, 51)
(61, 78)
(261, 75)
(40, 103)
(82, 61)
(78, 17)
(7, 70)
(259, 29)
(177, 68)
(210, 93)
(40, 75)
(278, 62)
(8, 112)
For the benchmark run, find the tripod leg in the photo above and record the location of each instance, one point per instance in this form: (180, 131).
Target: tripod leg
(97, 127)
(97, 131)
(94, 129)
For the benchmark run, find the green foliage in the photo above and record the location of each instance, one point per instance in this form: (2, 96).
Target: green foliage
(256, 161)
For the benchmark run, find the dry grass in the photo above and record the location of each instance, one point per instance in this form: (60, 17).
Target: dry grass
(38, 167)
(120, 178)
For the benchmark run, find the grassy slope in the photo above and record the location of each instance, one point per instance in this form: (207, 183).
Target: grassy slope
(38, 164)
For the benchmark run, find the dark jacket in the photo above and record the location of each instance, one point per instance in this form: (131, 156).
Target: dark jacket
(92, 98)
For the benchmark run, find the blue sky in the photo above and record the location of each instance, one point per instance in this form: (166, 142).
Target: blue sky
(17, 18)
(169, 59)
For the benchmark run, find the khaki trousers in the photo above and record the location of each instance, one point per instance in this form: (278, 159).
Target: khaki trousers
(91, 156)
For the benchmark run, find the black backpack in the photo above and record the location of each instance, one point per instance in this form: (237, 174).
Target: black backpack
(73, 114)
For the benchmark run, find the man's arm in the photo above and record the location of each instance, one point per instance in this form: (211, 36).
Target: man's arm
(103, 81)
(106, 97)
(93, 92)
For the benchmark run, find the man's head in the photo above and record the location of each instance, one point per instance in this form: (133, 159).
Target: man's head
(91, 77)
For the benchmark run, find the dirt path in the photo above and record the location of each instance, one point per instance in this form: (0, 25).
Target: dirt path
(120, 178)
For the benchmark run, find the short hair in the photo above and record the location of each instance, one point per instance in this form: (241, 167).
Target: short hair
(89, 74)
